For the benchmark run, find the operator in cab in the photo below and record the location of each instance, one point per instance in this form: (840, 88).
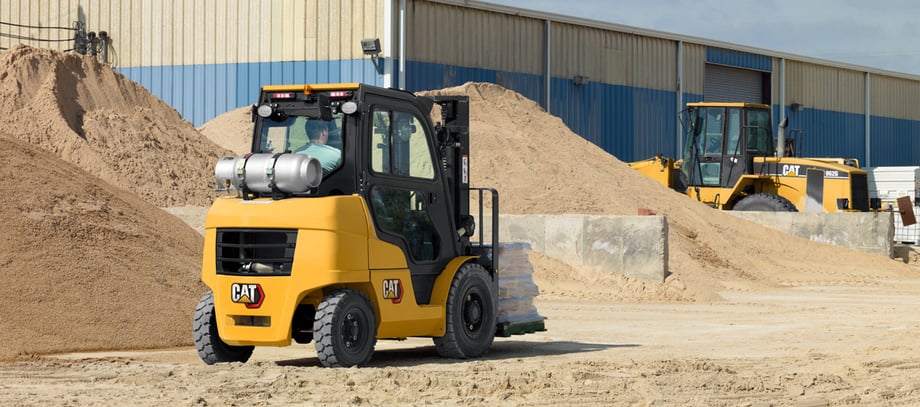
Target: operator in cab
(318, 133)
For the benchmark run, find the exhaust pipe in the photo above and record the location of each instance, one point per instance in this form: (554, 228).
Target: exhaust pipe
(781, 138)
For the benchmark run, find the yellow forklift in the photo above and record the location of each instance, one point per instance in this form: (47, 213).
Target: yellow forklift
(350, 222)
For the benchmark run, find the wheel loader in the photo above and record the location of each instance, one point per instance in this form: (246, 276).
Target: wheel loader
(350, 222)
(730, 162)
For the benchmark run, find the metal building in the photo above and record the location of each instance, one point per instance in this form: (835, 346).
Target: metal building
(620, 87)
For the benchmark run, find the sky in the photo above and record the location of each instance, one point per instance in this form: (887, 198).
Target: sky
(883, 34)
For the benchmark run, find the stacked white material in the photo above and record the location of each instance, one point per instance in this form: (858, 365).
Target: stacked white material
(891, 183)
(516, 288)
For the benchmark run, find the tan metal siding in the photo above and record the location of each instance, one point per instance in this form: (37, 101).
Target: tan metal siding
(613, 57)
(48, 13)
(825, 88)
(187, 32)
(895, 97)
(694, 68)
(453, 35)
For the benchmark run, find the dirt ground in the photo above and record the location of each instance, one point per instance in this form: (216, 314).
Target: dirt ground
(92, 263)
(804, 346)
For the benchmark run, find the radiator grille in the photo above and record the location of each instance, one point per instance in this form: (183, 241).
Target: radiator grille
(859, 192)
(255, 251)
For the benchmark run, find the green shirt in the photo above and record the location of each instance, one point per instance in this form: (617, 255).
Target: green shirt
(328, 156)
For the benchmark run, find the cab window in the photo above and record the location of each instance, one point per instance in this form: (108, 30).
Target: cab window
(399, 145)
(317, 138)
(759, 139)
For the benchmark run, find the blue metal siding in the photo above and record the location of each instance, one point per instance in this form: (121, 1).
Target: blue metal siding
(202, 92)
(630, 123)
(627, 122)
(895, 142)
(825, 133)
(428, 76)
(739, 59)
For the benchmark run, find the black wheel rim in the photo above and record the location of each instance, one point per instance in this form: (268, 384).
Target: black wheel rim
(353, 330)
(472, 312)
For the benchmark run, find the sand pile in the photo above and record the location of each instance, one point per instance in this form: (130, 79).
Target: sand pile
(231, 130)
(87, 265)
(90, 261)
(91, 116)
(542, 167)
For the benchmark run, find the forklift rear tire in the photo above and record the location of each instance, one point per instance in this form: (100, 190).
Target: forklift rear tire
(472, 306)
(764, 202)
(345, 329)
(207, 341)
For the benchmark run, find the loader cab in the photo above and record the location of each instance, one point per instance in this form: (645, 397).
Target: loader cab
(723, 139)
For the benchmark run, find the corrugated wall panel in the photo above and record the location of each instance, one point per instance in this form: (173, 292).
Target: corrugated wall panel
(201, 92)
(207, 56)
(613, 58)
(694, 68)
(186, 51)
(630, 123)
(459, 36)
(656, 64)
(825, 88)
(895, 142)
(187, 32)
(44, 13)
(895, 97)
(738, 59)
(428, 76)
(824, 133)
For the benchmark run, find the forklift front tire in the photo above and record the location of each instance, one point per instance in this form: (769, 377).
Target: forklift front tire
(472, 308)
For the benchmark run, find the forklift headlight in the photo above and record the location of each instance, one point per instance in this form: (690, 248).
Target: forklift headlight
(264, 111)
(349, 107)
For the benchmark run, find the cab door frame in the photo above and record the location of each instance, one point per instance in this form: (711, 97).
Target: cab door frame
(429, 194)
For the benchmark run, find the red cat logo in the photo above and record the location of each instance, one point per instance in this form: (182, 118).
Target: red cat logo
(393, 290)
(249, 294)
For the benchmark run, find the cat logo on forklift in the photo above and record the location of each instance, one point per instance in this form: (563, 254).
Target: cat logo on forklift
(392, 290)
(249, 294)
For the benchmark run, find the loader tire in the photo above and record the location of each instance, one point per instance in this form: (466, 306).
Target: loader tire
(472, 308)
(345, 329)
(207, 340)
(764, 202)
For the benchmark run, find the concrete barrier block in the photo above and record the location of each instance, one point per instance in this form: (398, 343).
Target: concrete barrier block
(520, 228)
(870, 232)
(635, 246)
(564, 238)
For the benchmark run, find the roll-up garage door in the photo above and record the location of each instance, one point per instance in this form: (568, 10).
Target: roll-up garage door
(727, 84)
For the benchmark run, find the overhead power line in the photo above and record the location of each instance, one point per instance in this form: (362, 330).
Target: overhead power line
(36, 26)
